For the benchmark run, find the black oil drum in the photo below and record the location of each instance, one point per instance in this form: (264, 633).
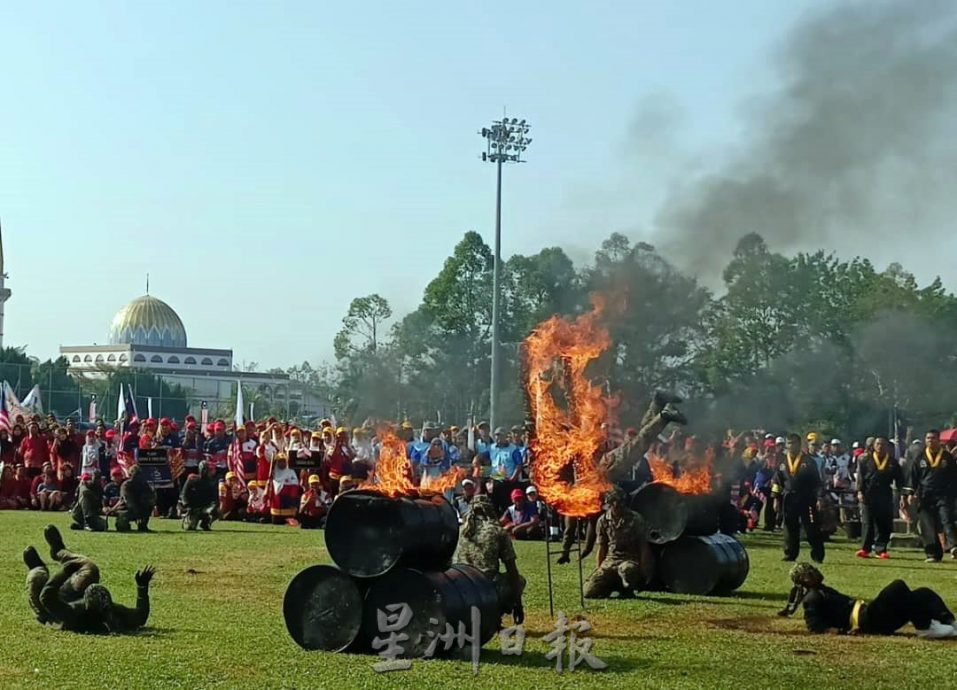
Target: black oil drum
(663, 509)
(704, 565)
(323, 609)
(446, 597)
(704, 512)
(368, 534)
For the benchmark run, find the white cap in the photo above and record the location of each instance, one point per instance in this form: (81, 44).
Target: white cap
(468, 482)
(780, 439)
(856, 445)
(836, 442)
(531, 490)
(768, 436)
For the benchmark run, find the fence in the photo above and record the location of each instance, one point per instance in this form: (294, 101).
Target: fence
(70, 396)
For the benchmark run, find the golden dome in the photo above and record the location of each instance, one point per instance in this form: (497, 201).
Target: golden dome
(147, 321)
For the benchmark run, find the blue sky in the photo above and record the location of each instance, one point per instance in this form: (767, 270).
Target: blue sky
(267, 162)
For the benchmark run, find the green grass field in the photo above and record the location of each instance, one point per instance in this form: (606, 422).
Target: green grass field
(217, 622)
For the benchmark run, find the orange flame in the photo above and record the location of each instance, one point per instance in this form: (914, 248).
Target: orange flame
(556, 355)
(694, 479)
(393, 472)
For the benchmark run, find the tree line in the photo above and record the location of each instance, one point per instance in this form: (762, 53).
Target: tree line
(787, 342)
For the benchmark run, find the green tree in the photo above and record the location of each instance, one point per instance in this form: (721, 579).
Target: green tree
(362, 326)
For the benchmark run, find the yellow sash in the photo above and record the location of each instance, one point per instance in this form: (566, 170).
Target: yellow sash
(793, 464)
(877, 461)
(934, 461)
(856, 614)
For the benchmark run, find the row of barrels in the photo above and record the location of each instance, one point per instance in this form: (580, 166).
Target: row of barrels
(375, 541)
(693, 540)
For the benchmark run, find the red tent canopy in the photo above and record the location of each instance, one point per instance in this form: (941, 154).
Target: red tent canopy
(948, 435)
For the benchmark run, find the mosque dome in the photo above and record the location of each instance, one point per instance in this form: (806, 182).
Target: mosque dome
(147, 321)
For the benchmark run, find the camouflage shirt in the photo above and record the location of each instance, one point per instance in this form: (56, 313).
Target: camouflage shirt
(622, 537)
(489, 546)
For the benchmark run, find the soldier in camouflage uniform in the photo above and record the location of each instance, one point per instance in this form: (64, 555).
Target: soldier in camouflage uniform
(616, 465)
(200, 499)
(74, 598)
(625, 561)
(87, 512)
(137, 500)
(483, 544)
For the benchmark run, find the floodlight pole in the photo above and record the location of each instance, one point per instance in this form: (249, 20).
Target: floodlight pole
(496, 301)
(506, 140)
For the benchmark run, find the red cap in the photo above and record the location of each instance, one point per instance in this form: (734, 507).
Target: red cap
(150, 422)
(85, 477)
(190, 423)
(219, 425)
(110, 433)
(91, 433)
(174, 426)
(517, 493)
(190, 418)
(769, 443)
(164, 421)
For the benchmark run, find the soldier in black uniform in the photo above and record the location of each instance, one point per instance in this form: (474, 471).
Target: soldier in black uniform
(877, 473)
(894, 607)
(800, 484)
(932, 484)
(137, 500)
(73, 596)
(200, 499)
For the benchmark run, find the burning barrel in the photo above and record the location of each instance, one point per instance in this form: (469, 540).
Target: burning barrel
(446, 597)
(717, 564)
(368, 534)
(663, 509)
(323, 609)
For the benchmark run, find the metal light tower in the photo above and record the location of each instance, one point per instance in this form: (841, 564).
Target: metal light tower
(506, 140)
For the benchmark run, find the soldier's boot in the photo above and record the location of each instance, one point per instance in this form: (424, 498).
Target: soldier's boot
(36, 580)
(122, 523)
(143, 525)
(77, 515)
(55, 540)
(190, 521)
(97, 524)
(206, 523)
(672, 414)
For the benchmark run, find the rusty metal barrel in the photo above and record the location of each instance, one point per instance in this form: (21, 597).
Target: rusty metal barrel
(716, 564)
(445, 597)
(323, 609)
(663, 509)
(368, 534)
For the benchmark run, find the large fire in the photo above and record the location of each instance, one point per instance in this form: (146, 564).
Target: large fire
(693, 479)
(393, 476)
(556, 356)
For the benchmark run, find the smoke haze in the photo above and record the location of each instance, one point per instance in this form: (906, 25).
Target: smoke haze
(857, 151)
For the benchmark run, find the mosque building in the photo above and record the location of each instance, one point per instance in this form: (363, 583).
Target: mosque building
(147, 334)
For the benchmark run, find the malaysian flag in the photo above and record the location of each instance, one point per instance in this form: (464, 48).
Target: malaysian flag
(176, 464)
(4, 415)
(129, 404)
(234, 461)
(125, 461)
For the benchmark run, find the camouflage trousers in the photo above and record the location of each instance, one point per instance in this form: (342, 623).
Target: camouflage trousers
(613, 576)
(87, 573)
(95, 523)
(126, 518)
(200, 517)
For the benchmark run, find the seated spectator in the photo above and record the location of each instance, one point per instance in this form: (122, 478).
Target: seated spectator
(24, 484)
(7, 449)
(233, 498)
(463, 503)
(521, 519)
(314, 505)
(69, 484)
(8, 489)
(256, 508)
(111, 492)
(45, 491)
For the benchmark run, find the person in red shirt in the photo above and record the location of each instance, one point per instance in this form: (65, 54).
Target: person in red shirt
(337, 463)
(314, 505)
(34, 452)
(45, 490)
(8, 489)
(24, 483)
(64, 450)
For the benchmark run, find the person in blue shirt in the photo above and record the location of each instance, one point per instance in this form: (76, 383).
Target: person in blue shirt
(417, 448)
(506, 460)
(483, 441)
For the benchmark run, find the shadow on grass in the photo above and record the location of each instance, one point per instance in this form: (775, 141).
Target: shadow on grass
(537, 660)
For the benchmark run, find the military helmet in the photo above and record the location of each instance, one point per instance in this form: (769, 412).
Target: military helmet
(97, 598)
(806, 575)
(482, 506)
